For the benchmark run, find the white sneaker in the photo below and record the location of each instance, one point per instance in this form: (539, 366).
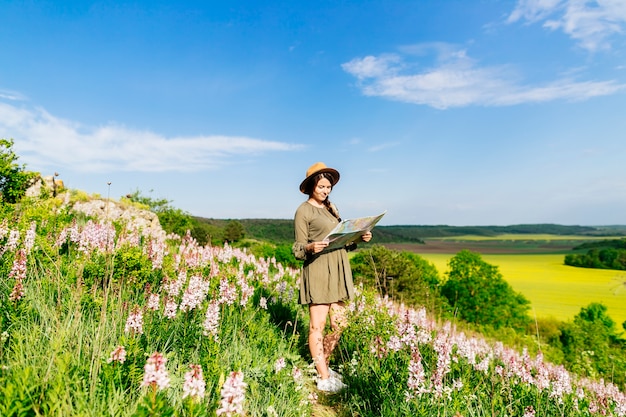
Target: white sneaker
(334, 374)
(330, 385)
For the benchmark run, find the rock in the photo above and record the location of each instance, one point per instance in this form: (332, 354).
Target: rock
(144, 220)
(49, 182)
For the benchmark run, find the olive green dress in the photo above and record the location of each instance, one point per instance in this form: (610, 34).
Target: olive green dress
(326, 277)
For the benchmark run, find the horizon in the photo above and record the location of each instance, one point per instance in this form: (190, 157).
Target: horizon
(440, 113)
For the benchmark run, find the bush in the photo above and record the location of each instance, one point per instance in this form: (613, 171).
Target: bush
(14, 179)
(480, 295)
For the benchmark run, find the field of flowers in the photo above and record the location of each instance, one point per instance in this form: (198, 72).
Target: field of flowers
(101, 319)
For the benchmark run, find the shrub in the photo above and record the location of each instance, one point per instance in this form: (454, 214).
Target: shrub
(14, 179)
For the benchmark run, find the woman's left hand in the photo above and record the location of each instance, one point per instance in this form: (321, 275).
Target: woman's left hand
(366, 237)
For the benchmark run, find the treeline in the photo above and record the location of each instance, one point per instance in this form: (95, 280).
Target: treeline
(281, 230)
(604, 254)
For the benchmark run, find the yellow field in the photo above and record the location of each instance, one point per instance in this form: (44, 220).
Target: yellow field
(554, 289)
(520, 236)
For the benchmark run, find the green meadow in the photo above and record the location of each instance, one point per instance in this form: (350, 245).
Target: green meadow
(554, 289)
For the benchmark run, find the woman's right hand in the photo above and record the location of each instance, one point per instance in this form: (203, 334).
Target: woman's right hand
(316, 247)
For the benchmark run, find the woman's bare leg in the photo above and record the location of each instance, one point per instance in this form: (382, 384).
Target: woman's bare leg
(318, 314)
(337, 324)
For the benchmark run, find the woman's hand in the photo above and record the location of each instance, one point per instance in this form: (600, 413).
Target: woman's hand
(316, 247)
(366, 237)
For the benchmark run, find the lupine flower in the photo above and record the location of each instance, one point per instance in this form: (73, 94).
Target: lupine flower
(134, 323)
(263, 303)
(194, 385)
(118, 355)
(155, 372)
(233, 395)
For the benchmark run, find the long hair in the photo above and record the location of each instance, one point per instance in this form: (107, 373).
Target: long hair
(332, 209)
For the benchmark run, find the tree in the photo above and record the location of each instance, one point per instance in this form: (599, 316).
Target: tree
(14, 179)
(592, 346)
(172, 220)
(403, 276)
(233, 231)
(480, 295)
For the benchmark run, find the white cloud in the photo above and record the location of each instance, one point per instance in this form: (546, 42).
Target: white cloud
(455, 80)
(592, 24)
(43, 140)
(11, 95)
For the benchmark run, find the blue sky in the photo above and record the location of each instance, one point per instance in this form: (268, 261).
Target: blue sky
(450, 112)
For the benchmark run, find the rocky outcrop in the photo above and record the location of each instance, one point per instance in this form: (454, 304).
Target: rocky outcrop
(144, 220)
(50, 183)
(105, 210)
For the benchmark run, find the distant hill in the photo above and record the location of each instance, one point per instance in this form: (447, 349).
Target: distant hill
(281, 230)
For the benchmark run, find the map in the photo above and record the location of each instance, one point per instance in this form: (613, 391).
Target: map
(349, 230)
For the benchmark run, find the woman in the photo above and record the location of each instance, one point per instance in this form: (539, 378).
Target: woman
(326, 281)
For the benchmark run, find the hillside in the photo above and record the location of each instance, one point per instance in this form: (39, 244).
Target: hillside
(103, 314)
(281, 230)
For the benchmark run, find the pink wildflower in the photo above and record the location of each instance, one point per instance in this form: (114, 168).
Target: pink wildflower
(247, 291)
(296, 373)
(378, 347)
(233, 395)
(18, 271)
(170, 308)
(279, 365)
(155, 373)
(417, 376)
(228, 292)
(263, 303)
(194, 385)
(153, 302)
(195, 293)
(443, 347)
(134, 323)
(13, 240)
(118, 355)
(29, 239)
(529, 411)
(394, 343)
(212, 320)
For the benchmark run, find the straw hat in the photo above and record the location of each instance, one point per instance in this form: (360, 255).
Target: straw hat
(318, 168)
